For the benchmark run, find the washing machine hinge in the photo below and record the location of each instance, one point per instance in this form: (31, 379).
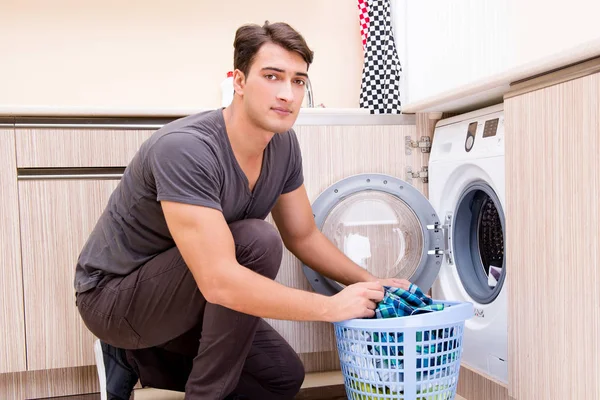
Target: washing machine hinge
(423, 174)
(447, 229)
(424, 144)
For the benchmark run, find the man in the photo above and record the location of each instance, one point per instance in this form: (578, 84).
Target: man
(180, 268)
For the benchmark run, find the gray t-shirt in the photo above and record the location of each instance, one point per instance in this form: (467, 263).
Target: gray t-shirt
(191, 161)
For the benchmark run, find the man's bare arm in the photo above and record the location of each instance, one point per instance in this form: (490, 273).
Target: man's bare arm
(206, 244)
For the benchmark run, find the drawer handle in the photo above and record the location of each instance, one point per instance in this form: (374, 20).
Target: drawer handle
(70, 173)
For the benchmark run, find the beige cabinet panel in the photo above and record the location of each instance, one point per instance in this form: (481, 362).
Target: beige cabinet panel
(73, 147)
(332, 153)
(553, 236)
(475, 386)
(57, 216)
(12, 323)
(43, 384)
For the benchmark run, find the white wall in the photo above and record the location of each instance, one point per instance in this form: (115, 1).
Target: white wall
(160, 53)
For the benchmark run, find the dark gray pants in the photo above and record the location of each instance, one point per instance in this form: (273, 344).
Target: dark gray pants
(176, 340)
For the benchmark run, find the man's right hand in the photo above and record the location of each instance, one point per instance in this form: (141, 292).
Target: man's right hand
(355, 301)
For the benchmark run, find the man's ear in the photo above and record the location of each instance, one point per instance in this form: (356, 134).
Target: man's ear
(239, 82)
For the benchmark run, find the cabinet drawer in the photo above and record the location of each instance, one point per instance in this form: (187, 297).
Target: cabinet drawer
(78, 147)
(57, 217)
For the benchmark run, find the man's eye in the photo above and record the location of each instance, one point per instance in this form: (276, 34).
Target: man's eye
(270, 76)
(300, 82)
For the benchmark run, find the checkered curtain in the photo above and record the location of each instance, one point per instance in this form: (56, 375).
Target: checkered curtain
(380, 86)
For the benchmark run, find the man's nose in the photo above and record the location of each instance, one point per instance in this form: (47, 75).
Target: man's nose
(286, 93)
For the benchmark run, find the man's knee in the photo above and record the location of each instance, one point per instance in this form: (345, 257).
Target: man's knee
(258, 246)
(295, 376)
(287, 379)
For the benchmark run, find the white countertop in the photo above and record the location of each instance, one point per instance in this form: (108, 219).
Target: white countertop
(491, 90)
(307, 116)
(106, 111)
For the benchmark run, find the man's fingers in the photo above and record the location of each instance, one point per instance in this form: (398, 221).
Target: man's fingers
(375, 295)
(370, 313)
(371, 305)
(401, 283)
(373, 285)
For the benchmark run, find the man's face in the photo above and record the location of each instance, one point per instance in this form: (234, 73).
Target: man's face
(273, 90)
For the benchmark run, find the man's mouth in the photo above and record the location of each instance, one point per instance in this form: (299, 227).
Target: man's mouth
(282, 110)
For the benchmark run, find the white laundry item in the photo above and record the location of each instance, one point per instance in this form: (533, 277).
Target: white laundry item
(357, 248)
(388, 370)
(494, 275)
(390, 378)
(364, 367)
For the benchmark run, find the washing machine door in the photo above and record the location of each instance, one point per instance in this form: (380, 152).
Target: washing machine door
(384, 225)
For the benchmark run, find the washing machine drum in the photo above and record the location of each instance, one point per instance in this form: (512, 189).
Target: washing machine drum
(384, 225)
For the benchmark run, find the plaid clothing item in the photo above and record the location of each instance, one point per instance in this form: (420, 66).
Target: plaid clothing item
(400, 303)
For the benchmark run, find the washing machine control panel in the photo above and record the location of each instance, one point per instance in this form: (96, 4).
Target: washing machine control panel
(491, 127)
(484, 136)
(469, 138)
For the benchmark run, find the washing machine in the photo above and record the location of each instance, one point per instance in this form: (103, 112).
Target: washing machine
(467, 190)
(451, 243)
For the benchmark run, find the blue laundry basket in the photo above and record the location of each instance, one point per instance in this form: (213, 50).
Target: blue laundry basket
(408, 358)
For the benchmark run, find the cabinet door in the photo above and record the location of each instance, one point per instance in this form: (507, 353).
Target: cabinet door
(57, 216)
(12, 323)
(553, 232)
(44, 147)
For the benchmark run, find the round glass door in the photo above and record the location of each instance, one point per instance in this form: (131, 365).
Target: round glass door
(377, 231)
(382, 224)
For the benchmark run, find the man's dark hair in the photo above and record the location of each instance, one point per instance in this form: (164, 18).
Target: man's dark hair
(249, 39)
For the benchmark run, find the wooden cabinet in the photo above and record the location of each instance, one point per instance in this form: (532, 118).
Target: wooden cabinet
(72, 147)
(12, 326)
(553, 238)
(56, 218)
